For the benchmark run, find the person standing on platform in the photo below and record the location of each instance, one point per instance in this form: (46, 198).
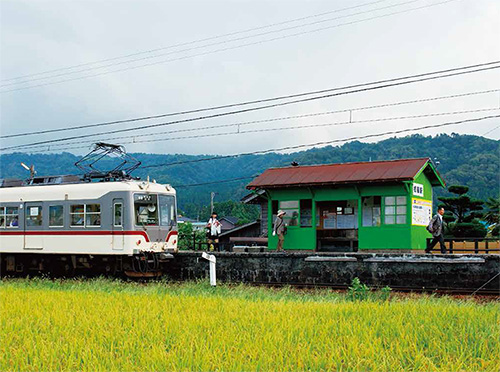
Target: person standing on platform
(436, 228)
(279, 229)
(214, 229)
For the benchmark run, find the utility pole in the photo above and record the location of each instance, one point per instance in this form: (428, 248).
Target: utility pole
(212, 195)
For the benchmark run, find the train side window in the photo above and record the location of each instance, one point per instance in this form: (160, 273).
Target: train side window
(34, 215)
(118, 215)
(2, 217)
(92, 215)
(56, 216)
(77, 215)
(12, 217)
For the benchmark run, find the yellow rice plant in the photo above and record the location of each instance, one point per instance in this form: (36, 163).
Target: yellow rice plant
(104, 326)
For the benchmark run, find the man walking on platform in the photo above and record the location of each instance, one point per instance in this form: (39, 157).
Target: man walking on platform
(279, 229)
(436, 228)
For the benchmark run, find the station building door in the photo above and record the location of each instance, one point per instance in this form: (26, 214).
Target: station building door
(337, 225)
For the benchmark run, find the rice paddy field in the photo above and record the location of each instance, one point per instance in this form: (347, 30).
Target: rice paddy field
(105, 325)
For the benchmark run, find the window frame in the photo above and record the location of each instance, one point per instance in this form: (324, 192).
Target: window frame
(396, 206)
(303, 208)
(121, 214)
(50, 207)
(11, 214)
(289, 212)
(27, 216)
(372, 208)
(85, 214)
(136, 215)
(3, 216)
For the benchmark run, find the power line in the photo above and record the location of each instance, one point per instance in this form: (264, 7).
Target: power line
(195, 41)
(491, 130)
(329, 142)
(391, 84)
(245, 103)
(268, 129)
(353, 109)
(207, 45)
(215, 182)
(230, 48)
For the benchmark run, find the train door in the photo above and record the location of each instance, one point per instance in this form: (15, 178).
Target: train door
(118, 237)
(33, 226)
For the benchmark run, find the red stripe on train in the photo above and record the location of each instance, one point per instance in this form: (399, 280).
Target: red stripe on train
(141, 233)
(171, 233)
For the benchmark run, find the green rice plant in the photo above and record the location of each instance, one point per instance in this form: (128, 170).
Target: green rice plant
(111, 325)
(357, 290)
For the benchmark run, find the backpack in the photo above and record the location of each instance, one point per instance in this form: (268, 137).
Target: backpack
(430, 226)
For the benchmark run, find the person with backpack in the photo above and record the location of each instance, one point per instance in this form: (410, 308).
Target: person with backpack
(436, 228)
(280, 229)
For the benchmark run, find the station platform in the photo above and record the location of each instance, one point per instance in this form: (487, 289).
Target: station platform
(455, 273)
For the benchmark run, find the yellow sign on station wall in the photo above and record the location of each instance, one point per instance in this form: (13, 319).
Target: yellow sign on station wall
(421, 212)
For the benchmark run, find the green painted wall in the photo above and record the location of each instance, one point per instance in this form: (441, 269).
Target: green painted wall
(385, 236)
(297, 237)
(419, 234)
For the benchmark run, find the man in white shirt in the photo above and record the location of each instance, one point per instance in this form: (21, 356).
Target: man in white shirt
(436, 228)
(214, 229)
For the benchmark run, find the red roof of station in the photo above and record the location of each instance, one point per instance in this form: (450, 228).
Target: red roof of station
(360, 172)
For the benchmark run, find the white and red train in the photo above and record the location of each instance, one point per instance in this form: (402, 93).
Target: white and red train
(65, 225)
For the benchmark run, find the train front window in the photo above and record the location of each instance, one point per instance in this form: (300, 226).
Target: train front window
(167, 210)
(146, 209)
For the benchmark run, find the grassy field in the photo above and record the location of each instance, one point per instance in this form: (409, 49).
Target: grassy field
(102, 325)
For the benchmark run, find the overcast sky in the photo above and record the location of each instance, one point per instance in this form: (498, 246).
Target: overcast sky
(38, 36)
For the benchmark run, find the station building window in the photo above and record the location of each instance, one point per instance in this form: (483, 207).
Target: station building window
(371, 210)
(395, 210)
(305, 213)
(34, 215)
(291, 208)
(85, 215)
(56, 216)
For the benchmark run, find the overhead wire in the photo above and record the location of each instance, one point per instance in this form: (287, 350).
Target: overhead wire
(240, 132)
(245, 103)
(230, 48)
(491, 130)
(367, 87)
(209, 45)
(321, 143)
(196, 41)
(215, 182)
(315, 114)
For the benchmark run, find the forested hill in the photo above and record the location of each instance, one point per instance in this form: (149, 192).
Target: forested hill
(463, 159)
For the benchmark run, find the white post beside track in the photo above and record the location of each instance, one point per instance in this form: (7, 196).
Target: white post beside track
(211, 259)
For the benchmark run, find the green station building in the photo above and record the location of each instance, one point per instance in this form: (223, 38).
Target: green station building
(379, 205)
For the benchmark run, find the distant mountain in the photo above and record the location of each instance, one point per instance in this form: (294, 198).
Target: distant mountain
(463, 159)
